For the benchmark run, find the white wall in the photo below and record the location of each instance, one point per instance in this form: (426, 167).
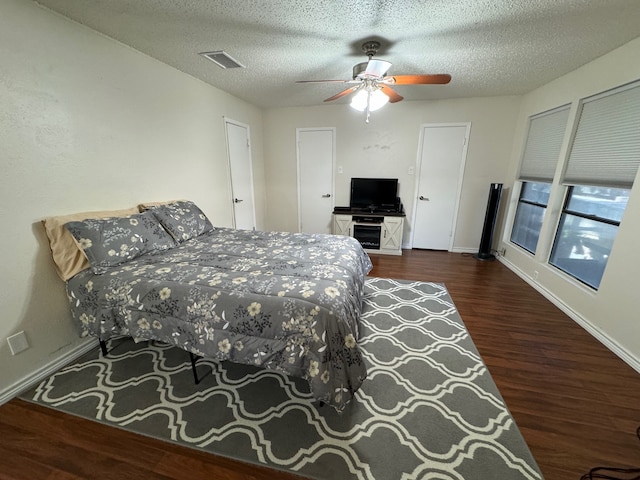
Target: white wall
(611, 313)
(388, 147)
(86, 124)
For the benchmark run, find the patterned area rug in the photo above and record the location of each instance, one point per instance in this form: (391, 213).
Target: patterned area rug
(428, 409)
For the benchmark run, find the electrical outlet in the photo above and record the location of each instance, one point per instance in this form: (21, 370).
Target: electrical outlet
(535, 275)
(18, 343)
(411, 171)
(340, 169)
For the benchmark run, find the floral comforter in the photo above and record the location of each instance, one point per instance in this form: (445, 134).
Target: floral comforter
(283, 301)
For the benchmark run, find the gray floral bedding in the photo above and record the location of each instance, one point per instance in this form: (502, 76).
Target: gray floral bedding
(283, 301)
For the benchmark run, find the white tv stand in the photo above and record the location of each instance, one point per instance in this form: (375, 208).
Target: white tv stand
(377, 232)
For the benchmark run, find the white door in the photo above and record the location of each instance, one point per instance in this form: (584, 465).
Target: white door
(441, 156)
(239, 151)
(316, 157)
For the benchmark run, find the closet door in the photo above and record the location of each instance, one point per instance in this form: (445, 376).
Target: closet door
(441, 157)
(239, 151)
(316, 159)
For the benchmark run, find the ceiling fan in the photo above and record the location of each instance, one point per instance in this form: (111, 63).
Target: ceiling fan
(372, 85)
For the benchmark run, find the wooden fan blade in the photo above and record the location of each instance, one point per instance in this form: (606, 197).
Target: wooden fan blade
(322, 81)
(342, 93)
(438, 79)
(391, 93)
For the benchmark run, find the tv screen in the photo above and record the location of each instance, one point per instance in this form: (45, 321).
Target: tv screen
(374, 193)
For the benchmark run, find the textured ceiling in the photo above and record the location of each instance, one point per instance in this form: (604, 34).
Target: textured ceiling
(490, 47)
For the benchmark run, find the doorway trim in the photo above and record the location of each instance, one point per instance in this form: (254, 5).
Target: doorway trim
(416, 192)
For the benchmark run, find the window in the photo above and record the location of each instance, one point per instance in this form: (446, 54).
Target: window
(532, 204)
(538, 167)
(588, 226)
(602, 166)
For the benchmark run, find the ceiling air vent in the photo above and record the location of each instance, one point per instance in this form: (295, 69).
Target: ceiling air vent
(222, 59)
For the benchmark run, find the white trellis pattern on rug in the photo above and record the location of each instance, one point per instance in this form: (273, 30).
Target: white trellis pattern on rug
(428, 409)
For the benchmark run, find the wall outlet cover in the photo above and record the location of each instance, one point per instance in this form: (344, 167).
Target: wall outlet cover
(18, 343)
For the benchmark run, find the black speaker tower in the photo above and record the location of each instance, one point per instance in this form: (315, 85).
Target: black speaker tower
(484, 252)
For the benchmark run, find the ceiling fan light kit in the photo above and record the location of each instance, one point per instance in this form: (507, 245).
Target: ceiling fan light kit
(372, 84)
(364, 98)
(369, 101)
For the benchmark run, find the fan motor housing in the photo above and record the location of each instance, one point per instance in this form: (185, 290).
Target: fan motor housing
(359, 68)
(370, 48)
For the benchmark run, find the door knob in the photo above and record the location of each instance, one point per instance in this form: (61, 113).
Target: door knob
(237, 200)
(326, 195)
(423, 198)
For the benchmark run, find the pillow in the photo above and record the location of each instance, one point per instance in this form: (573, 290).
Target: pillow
(108, 242)
(149, 205)
(68, 258)
(182, 219)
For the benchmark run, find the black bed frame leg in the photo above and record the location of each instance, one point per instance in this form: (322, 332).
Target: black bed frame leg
(103, 347)
(194, 359)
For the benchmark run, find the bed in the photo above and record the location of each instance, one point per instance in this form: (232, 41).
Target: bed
(283, 301)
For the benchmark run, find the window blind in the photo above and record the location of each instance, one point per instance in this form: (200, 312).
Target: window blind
(544, 140)
(606, 145)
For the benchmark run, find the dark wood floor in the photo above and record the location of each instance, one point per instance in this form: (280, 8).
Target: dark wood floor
(576, 403)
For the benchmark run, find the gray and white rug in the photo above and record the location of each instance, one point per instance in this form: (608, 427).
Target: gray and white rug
(428, 409)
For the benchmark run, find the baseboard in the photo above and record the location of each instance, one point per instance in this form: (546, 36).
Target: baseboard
(596, 332)
(46, 370)
(453, 250)
(464, 250)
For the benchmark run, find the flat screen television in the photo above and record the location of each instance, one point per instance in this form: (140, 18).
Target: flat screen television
(374, 193)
